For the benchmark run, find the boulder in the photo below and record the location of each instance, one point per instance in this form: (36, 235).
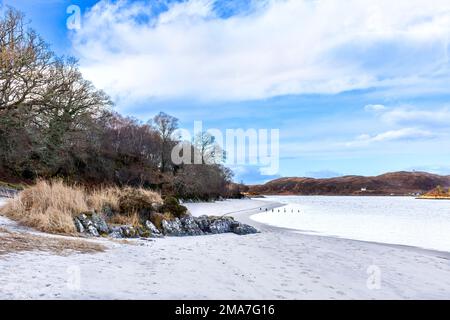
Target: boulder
(190, 226)
(78, 225)
(154, 232)
(84, 220)
(116, 232)
(172, 228)
(91, 224)
(204, 222)
(221, 225)
(100, 224)
(242, 229)
(125, 231)
(129, 232)
(92, 231)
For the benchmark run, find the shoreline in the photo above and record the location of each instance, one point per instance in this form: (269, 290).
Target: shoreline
(274, 264)
(245, 215)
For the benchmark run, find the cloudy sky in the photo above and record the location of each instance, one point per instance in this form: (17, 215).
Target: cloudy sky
(355, 86)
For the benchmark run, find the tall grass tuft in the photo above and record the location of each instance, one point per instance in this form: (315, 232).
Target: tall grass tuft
(47, 206)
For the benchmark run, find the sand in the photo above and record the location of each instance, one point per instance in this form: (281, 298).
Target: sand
(274, 264)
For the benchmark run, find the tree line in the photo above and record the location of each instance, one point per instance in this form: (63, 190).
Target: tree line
(55, 123)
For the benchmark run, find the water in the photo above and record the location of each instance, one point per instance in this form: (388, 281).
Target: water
(394, 220)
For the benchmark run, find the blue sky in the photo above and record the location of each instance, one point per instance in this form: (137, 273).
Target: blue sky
(355, 87)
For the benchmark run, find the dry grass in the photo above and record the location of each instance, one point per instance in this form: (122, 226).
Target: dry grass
(13, 242)
(105, 197)
(131, 219)
(135, 199)
(51, 206)
(48, 207)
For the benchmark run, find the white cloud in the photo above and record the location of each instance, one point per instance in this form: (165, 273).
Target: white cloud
(409, 115)
(284, 47)
(391, 135)
(375, 108)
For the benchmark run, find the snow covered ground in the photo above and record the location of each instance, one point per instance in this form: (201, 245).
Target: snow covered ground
(274, 264)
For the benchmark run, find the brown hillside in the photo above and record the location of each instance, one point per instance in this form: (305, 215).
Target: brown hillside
(397, 183)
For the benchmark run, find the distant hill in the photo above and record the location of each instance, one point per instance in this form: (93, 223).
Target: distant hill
(395, 183)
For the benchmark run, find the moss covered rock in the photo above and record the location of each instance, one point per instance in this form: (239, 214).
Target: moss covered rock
(172, 205)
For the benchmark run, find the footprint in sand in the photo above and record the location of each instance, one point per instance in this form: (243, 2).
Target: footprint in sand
(291, 291)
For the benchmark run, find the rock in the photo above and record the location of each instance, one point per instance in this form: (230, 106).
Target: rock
(85, 224)
(116, 232)
(129, 232)
(190, 226)
(242, 229)
(100, 224)
(91, 224)
(218, 225)
(221, 225)
(142, 232)
(92, 231)
(83, 219)
(154, 232)
(125, 231)
(78, 225)
(172, 228)
(204, 223)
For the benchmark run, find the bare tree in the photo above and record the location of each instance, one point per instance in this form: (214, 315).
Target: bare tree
(67, 101)
(165, 125)
(24, 61)
(207, 150)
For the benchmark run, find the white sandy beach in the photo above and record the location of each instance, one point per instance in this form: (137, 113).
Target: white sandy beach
(274, 264)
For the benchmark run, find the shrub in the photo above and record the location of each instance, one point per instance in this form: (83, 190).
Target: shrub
(172, 205)
(136, 200)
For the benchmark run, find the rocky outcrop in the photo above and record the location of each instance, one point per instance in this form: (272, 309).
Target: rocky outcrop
(242, 229)
(195, 226)
(191, 227)
(152, 229)
(172, 228)
(221, 225)
(93, 224)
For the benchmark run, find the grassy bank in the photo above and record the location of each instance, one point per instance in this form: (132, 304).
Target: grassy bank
(52, 206)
